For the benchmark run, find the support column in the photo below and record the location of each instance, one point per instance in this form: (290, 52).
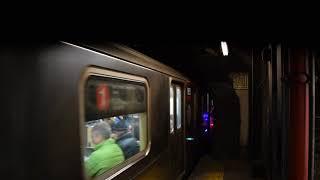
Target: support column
(299, 116)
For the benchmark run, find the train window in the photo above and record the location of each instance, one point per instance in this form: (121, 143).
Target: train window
(171, 110)
(178, 106)
(115, 129)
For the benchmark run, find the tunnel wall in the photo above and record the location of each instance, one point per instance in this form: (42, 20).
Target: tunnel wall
(240, 86)
(226, 134)
(244, 115)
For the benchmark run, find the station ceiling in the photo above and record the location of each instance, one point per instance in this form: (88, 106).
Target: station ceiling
(200, 61)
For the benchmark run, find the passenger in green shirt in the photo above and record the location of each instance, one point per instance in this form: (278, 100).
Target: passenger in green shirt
(107, 153)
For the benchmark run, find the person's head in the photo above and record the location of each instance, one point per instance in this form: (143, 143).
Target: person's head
(120, 127)
(100, 132)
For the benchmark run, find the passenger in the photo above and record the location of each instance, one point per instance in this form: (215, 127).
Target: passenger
(125, 139)
(107, 153)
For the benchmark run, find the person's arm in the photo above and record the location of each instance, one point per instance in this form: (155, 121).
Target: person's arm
(91, 165)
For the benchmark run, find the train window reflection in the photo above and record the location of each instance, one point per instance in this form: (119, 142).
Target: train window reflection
(171, 110)
(178, 106)
(115, 132)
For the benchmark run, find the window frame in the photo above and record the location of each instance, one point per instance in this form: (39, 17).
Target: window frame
(106, 73)
(173, 82)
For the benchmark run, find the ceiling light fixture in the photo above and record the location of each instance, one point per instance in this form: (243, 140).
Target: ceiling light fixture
(224, 48)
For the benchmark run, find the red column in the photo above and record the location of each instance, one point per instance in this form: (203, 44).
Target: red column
(299, 118)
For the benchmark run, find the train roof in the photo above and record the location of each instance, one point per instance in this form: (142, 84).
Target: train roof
(130, 55)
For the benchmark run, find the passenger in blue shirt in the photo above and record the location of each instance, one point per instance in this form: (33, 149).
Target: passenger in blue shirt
(124, 138)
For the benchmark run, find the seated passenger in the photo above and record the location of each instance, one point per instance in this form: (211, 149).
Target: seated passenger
(107, 153)
(125, 139)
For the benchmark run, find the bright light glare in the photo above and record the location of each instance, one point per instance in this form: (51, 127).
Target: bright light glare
(190, 139)
(224, 48)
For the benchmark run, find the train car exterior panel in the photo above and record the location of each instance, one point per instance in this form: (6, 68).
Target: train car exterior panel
(47, 111)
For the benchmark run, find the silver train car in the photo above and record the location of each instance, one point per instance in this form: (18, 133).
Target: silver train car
(57, 94)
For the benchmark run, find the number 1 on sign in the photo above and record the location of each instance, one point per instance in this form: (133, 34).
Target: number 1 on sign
(103, 98)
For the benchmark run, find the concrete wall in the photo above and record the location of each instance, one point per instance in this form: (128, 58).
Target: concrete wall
(244, 114)
(240, 85)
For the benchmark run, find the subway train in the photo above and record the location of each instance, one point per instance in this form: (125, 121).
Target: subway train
(64, 98)
(69, 106)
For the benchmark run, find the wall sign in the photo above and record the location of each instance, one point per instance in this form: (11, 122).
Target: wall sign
(240, 80)
(107, 97)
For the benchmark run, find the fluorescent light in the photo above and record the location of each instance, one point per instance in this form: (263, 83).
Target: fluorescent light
(224, 48)
(189, 139)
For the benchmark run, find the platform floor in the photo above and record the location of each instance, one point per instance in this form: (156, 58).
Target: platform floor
(209, 169)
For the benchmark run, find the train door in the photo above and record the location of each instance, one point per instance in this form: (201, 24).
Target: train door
(190, 136)
(176, 137)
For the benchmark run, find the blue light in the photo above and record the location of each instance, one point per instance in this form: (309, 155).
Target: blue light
(206, 130)
(205, 116)
(189, 139)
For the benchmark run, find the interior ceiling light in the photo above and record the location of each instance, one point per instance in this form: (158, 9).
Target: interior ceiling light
(224, 48)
